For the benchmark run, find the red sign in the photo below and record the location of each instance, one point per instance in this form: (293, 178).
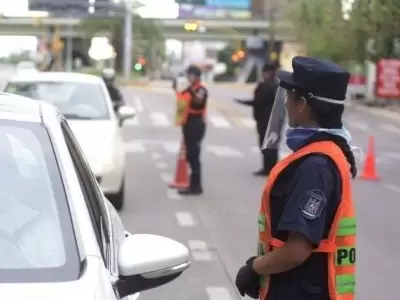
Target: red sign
(388, 79)
(357, 79)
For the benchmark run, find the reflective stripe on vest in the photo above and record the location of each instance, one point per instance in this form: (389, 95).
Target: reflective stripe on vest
(340, 243)
(183, 104)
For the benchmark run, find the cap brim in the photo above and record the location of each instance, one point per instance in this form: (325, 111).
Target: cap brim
(286, 78)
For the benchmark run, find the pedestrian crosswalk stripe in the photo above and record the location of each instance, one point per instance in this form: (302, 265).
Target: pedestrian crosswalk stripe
(160, 119)
(219, 122)
(135, 147)
(224, 151)
(171, 147)
(247, 122)
(132, 121)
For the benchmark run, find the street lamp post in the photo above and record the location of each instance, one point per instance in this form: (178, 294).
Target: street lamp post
(128, 36)
(270, 16)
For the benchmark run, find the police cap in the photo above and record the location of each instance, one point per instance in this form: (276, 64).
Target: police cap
(270, 66)
(320, 78)
(193, 69)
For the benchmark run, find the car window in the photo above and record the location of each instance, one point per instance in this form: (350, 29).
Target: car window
(36, 234)
(76, 100)
(93, 195)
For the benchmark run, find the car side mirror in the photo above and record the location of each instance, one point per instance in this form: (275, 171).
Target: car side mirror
(126, 112)
(146, 261)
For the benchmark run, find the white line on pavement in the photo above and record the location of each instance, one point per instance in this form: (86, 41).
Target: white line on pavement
(172, 194)
(161, 165)
(218, 293)
(155, 155)
(199, 250)
(247, 122)
(219, 122)
(224, 151)
(392, 187)
(134, 147)
(138, 104)
(132, 121)
(184, 219)
(160, 119)
(358, 125)
(166, 177)
(390, 128)
(171, 147)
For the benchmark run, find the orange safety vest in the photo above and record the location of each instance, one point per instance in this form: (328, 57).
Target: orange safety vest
(184, 106)
(341, 240)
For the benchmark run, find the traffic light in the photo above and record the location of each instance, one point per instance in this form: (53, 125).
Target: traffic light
(140, 63)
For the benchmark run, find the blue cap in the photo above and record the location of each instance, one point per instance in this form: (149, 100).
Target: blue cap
(319, 77)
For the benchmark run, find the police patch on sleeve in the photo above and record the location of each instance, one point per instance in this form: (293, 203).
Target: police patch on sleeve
(313, 204)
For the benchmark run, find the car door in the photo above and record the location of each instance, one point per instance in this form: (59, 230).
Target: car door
(98, 207)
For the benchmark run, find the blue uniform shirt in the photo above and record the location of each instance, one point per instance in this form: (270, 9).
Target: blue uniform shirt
(304, 199)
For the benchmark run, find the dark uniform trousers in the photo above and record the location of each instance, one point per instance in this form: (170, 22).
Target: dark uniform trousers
(269, 156)
(193, 134)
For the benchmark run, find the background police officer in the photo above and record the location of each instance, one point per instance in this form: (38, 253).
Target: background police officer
(194, 128)
(108, 76)
(303, 193)
(262, 102)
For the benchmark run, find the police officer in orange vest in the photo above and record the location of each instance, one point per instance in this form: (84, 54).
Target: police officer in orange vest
(307, 225)
(194, 127)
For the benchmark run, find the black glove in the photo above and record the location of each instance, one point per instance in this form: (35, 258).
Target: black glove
(247, 280)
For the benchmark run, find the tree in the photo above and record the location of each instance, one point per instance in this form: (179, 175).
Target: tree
(149, 40)
(320, 25)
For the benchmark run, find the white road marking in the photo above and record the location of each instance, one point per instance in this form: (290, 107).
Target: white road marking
(247, 122)
(184, 219)
(224, 151)
(392, 187)
(155, 155)
(132, 121)
(173, 194)
(393, 155)
(218, 293)
(160, 119)
(199, 250)
(134, 147)
(390, 128)
(166, 177)
(172, 147)
(161, 165)
(219, 122)
(358, 125)
(138, 104)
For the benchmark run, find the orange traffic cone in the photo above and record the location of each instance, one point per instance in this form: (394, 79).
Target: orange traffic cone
(369, 171)
(181, 180)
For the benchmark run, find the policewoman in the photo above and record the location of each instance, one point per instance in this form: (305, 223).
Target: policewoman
(191, 112)
(307, 226)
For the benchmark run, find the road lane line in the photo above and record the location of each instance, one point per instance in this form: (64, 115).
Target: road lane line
(247, 122)
(218, 293)
(166, 177)
(390, 128)
(171, 147)
(138, 104)
(134, 147)
(224, 151)
(172, 194)
(392, 187)
(160, 119)
(219, 122)
(161, 165)
(184, 219)
(199, 250)
(155, 155)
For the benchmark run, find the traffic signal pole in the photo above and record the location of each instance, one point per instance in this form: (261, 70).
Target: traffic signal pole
(128, 36)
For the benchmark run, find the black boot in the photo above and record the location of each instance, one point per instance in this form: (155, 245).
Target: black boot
(194, 187)
(261, 172)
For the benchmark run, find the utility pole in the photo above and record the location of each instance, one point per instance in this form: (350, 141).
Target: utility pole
(128, 36)
(269, 12)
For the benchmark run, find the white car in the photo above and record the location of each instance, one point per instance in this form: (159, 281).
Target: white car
(24, 66)
(85, 102)
(60, 238)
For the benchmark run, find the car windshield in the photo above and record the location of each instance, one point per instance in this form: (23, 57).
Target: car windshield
(37, 242)
(76, 100)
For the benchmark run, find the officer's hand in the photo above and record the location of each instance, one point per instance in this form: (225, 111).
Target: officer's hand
(247, 280)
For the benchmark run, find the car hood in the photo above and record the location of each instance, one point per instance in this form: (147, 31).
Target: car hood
(96, 138)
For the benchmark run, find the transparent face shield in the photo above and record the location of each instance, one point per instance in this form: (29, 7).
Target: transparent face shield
(276, 121)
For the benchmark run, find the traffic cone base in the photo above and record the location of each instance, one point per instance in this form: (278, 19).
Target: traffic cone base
(181, 180)
(369, 171)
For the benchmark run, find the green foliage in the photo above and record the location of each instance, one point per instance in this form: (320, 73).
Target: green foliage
(225, 56)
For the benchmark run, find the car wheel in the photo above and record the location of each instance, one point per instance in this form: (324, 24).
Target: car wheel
(117, 199)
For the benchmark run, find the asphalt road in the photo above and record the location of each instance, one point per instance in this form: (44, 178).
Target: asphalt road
(220, 227)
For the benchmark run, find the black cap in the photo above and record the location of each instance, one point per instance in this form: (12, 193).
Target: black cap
(270, 66)
(319, 77)
(193, 69)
